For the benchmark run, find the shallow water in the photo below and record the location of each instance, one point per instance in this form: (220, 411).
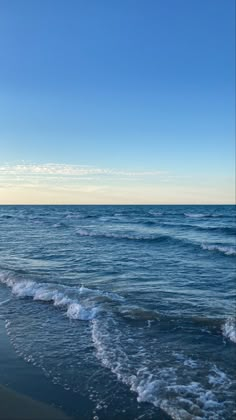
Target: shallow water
(128, 306)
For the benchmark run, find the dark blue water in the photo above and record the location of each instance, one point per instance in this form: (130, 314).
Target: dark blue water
(128, 306)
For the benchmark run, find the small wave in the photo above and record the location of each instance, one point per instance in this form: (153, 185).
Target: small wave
(220, 216)
(80, 302)
(208, 215)
(138, 313)
(73, 216)
(105, 218)
(186, 361)
(218, 377)
(227, 250)
(82, 232)
(4, 301)
(77, 311)
(149, 223)
(196, 215)
(155, 213)
(227, 230)
(6, 216)
(60, 225)
(229, 329)
(204, 321)
(218, 229)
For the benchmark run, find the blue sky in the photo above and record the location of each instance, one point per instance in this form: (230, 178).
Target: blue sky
(139, 91)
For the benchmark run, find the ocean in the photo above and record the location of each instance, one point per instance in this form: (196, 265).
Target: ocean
(130, 308)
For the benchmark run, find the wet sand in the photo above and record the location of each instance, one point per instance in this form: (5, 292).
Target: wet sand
(21, 388)
(15, 406)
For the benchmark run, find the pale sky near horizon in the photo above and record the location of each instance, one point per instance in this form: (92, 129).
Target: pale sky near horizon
(128, 101)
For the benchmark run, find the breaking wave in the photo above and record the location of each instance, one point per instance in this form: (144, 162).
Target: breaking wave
(176, 388)
(227, 250)
(80, 302)
(229, 329)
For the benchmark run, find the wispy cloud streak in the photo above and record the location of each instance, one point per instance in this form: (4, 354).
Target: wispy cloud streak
(52, 169)
(53, 183)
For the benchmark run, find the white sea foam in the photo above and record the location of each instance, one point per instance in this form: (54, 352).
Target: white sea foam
(201, 402)
(227, 250)
(59, 225)
(229, 329)
(80, 302)
(195, 215)
(187, 361)
(155, 213)
(73, 216)
(157, 385)
(84, 232)
(218, 378)
(77, 311)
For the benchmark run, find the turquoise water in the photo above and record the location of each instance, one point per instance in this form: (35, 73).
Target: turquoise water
(126, 306)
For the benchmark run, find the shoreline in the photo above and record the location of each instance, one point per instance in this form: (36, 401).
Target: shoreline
(26, 387)
(21, 386)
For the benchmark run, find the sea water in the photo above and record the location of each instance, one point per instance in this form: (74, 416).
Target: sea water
(125, 305)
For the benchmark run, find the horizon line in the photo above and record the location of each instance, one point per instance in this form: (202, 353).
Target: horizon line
(126, 204)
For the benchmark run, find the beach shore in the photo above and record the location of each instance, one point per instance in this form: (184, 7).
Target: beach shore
(21, 387)
(16, 406)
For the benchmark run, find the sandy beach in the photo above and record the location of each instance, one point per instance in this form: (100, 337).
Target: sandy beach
(18, 406)
(17, 378)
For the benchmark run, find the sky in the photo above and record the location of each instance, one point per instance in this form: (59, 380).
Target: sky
(117, 102)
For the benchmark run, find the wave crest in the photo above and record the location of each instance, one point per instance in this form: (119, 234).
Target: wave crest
(229, 329)
(80, 302)
(227, 250)
(83, 232)
(196, 215)
(77, 311)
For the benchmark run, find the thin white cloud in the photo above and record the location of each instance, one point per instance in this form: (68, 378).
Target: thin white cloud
(50, 183)
(65, 170)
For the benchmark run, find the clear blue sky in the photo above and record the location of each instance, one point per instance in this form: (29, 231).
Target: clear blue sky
(126, 85)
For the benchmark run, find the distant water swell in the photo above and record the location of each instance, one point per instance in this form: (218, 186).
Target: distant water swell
(227, 230)
(207, 215)
(124, 236)
(192, 215)
(158, 238)
(153, 214)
